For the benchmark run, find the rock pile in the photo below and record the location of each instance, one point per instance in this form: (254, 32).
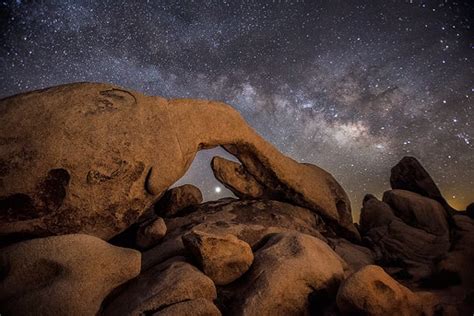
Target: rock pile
(88, 225)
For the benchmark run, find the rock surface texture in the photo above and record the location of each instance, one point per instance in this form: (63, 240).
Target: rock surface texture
(92, 158)
(62, 275)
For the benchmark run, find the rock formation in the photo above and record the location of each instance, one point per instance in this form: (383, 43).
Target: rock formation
(371, 291)
(99, 160)
(410, 175)
(172, 282)
(176, 200)
(150, 232)
(93, 158)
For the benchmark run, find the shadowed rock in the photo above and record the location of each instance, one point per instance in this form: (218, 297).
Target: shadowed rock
(164, 285)
(175, 200)
(398, 243)
(62, 275)
(355, 256)
(150, 232)
(371, 291)
(197, 307)
(418, 211)
(410, 175)
(92, 158)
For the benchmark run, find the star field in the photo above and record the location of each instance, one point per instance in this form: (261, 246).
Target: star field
(352, 86)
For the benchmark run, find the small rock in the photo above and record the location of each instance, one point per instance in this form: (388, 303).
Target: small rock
(177, 199)
(62, 275)
(234, 176)
(171, 282)
(223, 258)
(150, 233)
(286, 271)
(371, 291)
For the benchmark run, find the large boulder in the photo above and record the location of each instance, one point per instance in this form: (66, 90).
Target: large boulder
(287, 271)
(418, 211)
(197, 307)
(92, 158)
(171, 282)
(62, 275)
(249, 221)
(371, 291)
(397, 243)
(223, 258)
(409, 175)
(177, 199)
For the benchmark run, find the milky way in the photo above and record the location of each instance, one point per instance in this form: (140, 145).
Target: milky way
(352, 86)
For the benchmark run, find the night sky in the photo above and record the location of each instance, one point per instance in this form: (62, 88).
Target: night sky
(352, 86)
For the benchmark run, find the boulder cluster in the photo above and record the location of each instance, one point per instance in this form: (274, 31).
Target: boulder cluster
(285, 246)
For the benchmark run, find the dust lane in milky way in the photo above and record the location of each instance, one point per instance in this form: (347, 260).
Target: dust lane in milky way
(352, 86)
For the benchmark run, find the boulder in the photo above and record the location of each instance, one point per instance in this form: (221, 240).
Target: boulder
(235, 178)
(223, 258)
(371, 291)
(287, 270)
(398, 243)
(62, 275)
(178, 199)
(418, 211)
(374, 214)
(197, 307)
(150, 233)
(355, 256)
(171, 282)
(409, 175)
(248, 220)
(92, 158)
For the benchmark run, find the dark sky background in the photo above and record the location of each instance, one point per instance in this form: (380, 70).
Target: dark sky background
(352, 86)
